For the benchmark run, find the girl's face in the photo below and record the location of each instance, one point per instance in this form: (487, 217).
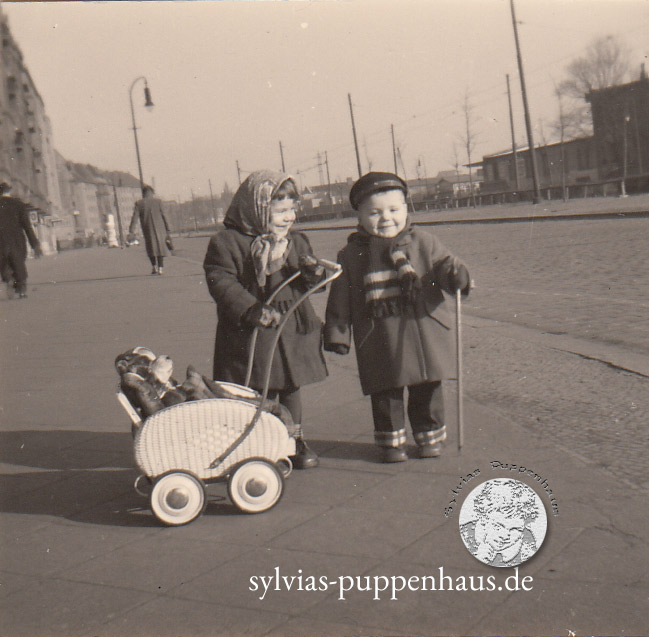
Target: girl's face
(282, 214)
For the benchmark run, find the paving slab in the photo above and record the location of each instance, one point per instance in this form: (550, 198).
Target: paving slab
(171, 617)
(297, 579)
(583, 610)
(59, 607)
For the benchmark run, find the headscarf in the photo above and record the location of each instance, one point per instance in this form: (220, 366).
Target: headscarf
(249, 213)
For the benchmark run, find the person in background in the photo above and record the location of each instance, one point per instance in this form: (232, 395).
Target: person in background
(14, 227)
(390, 296)
(245, 262)
(155, 228)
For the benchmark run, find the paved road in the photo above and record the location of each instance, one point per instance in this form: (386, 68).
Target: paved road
(80, 553)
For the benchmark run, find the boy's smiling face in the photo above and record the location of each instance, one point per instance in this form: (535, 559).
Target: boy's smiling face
(384, 214)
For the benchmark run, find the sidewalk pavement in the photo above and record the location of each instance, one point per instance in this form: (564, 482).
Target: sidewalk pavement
(82, 554)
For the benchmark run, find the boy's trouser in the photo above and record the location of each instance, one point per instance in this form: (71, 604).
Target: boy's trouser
(425, 412)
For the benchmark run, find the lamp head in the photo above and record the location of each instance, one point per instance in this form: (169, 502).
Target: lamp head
(147, 97)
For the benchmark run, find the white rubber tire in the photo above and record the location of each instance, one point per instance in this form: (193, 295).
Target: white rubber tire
(178, 497)
(256, 485)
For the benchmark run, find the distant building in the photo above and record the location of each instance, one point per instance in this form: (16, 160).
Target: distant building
(621, 128)
(27, 156)
(620, 135)
(89, 195)
(577, 156)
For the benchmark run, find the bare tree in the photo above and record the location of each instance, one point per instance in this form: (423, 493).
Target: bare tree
(605, 63)
(468, 139)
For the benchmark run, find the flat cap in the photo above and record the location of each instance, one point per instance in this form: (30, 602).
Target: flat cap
(373, 182)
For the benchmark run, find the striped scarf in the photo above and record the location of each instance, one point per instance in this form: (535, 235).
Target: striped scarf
(391, 283)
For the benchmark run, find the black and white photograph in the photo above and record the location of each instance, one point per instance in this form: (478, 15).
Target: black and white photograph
(324, 318)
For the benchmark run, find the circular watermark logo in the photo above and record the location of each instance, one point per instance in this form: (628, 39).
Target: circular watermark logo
(503, 522)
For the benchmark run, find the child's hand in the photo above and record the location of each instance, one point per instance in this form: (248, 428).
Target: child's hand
(261, 315)
(460, 278)
(312, 272)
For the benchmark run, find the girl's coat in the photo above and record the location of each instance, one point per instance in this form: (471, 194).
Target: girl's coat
(232, 282)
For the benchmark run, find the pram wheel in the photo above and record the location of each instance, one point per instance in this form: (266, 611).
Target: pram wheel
(285, 467)
(256, 485)
(178, 497)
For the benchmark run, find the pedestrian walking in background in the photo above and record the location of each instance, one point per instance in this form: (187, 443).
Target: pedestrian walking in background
(155, 228)
(244, 263)
(14, 227)
(390, 296)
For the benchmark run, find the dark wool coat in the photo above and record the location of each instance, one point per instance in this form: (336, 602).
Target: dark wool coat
(395, 351)
(154, 226)
(14, 227)
(232, 282)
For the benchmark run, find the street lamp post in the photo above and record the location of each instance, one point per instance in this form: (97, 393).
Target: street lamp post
(148, 103)
(627, 119)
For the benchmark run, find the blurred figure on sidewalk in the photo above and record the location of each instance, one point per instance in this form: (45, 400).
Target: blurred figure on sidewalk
(155, 228)
(14, 225)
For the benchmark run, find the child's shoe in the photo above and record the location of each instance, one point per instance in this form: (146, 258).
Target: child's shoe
(394, 454)
(304, 457)
(429, 451)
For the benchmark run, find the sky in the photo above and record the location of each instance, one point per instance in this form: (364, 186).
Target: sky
(231, 80)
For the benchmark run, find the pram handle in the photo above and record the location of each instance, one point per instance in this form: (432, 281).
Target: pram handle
(335, 271)
(329, 265)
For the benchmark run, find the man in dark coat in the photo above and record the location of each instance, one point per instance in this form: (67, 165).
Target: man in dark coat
(14, 226)
(155, 228)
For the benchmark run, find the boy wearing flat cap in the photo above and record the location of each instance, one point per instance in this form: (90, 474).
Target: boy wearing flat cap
(390, 297)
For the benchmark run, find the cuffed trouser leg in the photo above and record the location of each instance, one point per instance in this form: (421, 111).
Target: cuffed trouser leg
(426, 412)
(389, 418)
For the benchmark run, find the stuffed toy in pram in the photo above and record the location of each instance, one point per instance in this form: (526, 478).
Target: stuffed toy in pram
(147, 381)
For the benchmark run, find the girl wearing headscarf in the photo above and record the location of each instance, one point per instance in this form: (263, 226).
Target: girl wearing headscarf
(245, 262)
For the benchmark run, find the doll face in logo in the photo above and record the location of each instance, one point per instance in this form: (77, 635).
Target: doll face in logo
(500, 531)
(383, 214)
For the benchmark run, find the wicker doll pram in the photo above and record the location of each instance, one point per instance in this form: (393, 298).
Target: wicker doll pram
(181, 448)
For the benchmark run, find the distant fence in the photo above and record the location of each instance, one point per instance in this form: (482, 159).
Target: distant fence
(609, 188)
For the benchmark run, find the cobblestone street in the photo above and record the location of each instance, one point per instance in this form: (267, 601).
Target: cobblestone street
(584, 278)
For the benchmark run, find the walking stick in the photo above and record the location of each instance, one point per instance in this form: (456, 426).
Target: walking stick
(458, 342)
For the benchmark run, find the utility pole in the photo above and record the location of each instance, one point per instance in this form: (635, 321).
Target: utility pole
(511, 124)
(528, 122)
(119, 219)
(238, 172)
(281, 154)
(405, 178)
(320, 170)
(358, 157)
(331, 201)
(394, 150)
(209, 181)
(194, 211)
